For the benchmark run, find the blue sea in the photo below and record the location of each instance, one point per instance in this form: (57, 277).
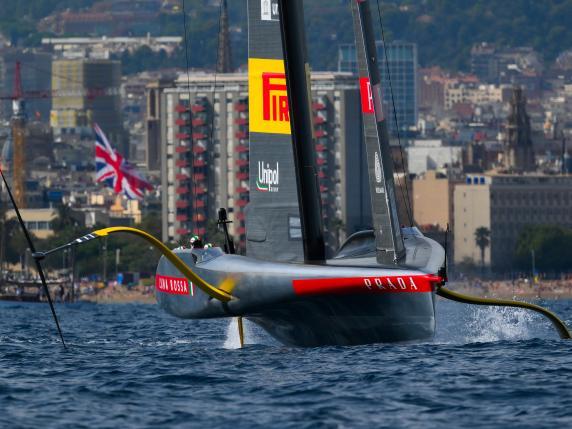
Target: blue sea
(132, 366)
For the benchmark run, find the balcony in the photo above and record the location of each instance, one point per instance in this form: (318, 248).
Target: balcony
(182, 218)
(319, 120)
(182, 149)
(242, 190)
(321, 161)
(182, 204)
(199, 231)
(199, 150)
(182, 231)
(181, 177)
(199, 204)
(320, 147)
(199, 163)
(199, 177)
(182, 190)
(198, 122)
(241, 107)
(241, 162)
(182, 136)
(182, 163)
(242, 176)
(181, 122)
(240, 216)
(321, 133)
(318, 106)
(199, 217)
(241, 148)
(242, 202)
(180, 108)
(199, 136)
(196, 108)
(241, 121)
(241, 230)
(200, 191)
(242, 135)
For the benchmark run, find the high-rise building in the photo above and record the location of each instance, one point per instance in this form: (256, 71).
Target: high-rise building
(505, 205)
(205, 154)
(153, 123)
(87, 93)
(401, 80)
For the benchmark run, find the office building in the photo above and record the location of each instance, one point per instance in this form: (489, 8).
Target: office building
(401, 80)
(506, 204)
(88, 92)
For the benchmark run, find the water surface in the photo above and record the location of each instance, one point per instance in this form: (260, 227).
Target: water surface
(132, 366)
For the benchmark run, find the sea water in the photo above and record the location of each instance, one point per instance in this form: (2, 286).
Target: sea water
(131, 366)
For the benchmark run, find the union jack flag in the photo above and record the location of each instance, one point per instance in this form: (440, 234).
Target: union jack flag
(115, 171)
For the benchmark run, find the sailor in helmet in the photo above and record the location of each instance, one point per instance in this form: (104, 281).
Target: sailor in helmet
(196, 242)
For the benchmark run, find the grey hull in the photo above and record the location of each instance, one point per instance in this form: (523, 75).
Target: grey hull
(266, 293)
(350, 320)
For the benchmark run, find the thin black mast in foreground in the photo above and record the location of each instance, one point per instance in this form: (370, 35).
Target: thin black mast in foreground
(298, 84)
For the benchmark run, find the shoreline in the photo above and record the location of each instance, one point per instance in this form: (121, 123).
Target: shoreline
(523, 289)
(514, 289)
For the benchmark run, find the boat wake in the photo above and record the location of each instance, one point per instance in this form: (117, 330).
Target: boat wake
(232, 340)
(489, 324)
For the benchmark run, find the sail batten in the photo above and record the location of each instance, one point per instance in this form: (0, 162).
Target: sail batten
(389, 241)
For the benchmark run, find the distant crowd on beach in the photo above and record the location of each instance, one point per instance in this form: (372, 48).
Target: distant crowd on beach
(521, 287)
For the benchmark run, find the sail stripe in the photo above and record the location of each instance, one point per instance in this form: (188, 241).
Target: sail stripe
(366, 285)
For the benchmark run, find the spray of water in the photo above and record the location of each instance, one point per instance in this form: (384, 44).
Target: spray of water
(232, 338)
(488, 324)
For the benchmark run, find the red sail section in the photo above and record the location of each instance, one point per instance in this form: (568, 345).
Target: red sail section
(366, 285)
(174, 285)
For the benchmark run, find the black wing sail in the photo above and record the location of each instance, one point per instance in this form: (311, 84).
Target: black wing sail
(272, 217)
(389, 241)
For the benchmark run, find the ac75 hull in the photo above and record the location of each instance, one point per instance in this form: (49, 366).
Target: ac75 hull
(306, 305)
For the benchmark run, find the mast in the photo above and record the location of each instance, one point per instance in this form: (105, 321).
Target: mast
(388, 239)
(224, 64)
(298, 84)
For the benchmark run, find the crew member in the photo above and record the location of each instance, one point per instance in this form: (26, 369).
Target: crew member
(196, 242)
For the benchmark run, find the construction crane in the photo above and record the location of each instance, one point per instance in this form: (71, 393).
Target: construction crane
(18, 125)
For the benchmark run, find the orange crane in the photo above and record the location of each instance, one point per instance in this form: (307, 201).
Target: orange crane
(18, 125)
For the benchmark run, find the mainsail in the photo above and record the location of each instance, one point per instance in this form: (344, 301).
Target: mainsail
(388, 239)
(272, 217)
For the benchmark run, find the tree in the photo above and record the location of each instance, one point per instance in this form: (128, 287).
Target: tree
(482, 240)
(552, 245)
(65, 219)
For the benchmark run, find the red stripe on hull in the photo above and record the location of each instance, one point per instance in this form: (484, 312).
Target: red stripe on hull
(366, 285)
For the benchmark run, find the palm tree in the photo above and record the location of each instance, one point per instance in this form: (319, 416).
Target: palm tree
(482, 240)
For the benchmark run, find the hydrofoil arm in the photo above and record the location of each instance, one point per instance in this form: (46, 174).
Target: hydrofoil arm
(221, 293)
(468, 299)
